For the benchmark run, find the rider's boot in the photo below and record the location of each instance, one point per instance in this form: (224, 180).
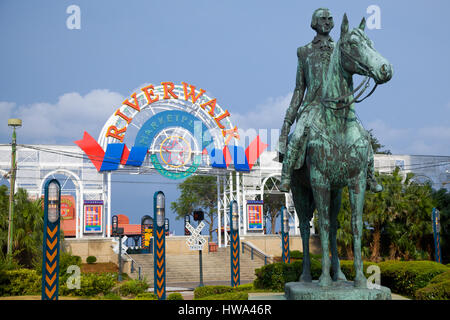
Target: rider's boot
(289, 161)
(372, 183)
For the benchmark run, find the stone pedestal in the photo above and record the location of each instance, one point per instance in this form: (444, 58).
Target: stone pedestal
(340, 290)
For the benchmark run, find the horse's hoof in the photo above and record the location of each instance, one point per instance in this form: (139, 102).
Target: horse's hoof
(325, 281)
(339, 276)
(360, 282)
(305, 278)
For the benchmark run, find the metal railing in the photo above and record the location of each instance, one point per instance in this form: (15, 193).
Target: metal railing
(255, 251)
(134, 264)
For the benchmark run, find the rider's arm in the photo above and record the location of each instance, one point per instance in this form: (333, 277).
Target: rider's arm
(296, 101)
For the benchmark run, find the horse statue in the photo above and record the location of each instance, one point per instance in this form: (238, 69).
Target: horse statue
(337, 153)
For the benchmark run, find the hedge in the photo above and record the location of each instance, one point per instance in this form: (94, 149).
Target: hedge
(434, 291)
(175, 296)
(91, 284)
(131, 288)
(236, 295)
(205, 291)
(21, 282)
(405, 277)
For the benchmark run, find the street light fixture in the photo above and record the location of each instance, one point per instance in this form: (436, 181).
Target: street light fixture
(14, 123)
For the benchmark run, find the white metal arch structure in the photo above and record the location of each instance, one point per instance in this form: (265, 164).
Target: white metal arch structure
(79, 191)
(36, 163)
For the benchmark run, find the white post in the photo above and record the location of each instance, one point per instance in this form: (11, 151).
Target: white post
(77, 215)
(225, 235)
(108, 223)
(219, 215)
(244, 210)
(238, 199)
(81, 215)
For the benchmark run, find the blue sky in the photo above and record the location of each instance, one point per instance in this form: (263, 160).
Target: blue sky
(62, 82)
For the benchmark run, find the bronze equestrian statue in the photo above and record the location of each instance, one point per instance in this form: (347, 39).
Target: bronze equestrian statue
(329, 148)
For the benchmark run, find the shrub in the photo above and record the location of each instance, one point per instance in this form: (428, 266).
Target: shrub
(201, 292)
(146, 296)
(91, 259)
(175, 296)
(112, 296)
(434, 291)
(296, 254)
(20, 282)
(132, 287)
(405, 277)
(238, 295)
(93, 284)
(445, 276)
(348, 268)
(274, 276)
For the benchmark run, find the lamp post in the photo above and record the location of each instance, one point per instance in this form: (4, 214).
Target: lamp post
(187, 220)
(234, 244)
(12, 123)
(436, 232)
(199, 216)
(50, 261)
(285, 235)
(159, 269)
(118, 232)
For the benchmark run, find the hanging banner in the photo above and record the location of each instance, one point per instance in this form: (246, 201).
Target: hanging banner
(67, 207)
(93, 215)
(255, 215)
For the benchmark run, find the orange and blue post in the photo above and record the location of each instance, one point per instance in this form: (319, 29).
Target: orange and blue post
(235, 245)
(285, 235)
(159, 269)
(51, 240)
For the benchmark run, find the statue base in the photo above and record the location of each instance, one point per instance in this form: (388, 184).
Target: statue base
(340, 290)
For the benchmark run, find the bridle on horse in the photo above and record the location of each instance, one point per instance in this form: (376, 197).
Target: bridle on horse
(366, 82)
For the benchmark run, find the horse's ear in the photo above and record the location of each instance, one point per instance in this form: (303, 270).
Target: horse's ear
(344, 25)
(362, 25)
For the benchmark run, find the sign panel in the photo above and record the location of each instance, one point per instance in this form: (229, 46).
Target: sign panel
(195, 241)
(67, 207)
(255, 215)
(93, 216)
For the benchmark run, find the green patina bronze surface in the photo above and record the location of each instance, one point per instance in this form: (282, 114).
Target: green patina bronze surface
(329, 148)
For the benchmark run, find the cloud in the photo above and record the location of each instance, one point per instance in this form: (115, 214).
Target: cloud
(268, 115)
(415, 141)
(64, 121)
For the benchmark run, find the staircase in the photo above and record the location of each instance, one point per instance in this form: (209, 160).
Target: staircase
(185, 268)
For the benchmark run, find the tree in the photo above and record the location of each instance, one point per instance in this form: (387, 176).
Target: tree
(197, 192)
(376, 145)
(28, 227)
(273, 202)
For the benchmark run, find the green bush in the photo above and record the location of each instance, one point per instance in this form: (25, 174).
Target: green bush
(132, 288)
(445, 276)
(112, 296)
(237, 295)
(434, 291)
(175, 296)
(91, 259)
(348, 268)
(405, 277)
(146, 296)
(274, 276)
(201, 292)
(296, 254)
(92, 284)
(20, 282)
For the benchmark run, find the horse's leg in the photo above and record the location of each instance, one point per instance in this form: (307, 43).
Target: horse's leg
(322, 202)
(336, 196)
(356, 195)
(304, 205)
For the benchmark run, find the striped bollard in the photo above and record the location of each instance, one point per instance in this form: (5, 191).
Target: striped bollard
(234, 245)
(285, 235)
(50, 261)
(159, 265)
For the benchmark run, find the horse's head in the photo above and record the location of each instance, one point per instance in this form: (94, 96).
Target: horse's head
(359, 56)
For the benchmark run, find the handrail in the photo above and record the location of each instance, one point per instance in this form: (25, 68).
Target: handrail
(133, 262)
(259, 253)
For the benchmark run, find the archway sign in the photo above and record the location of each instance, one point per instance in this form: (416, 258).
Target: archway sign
(177, 127)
